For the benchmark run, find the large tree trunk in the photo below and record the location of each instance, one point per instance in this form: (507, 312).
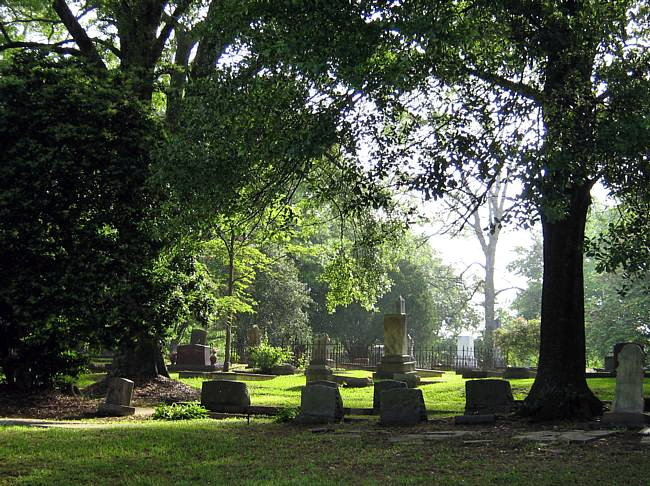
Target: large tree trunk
(139, 360)
(560, 390)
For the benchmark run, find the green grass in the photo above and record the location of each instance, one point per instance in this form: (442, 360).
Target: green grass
(447, 398)
(231, 452)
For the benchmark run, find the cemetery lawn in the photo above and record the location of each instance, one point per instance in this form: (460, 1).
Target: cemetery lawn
(232, 452)
(445, 398)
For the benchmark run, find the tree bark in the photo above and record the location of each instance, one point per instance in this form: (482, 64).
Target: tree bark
(230, 292)
(560, 389)
(139, 360)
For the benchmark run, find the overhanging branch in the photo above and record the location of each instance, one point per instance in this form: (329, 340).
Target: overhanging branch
(78, 33)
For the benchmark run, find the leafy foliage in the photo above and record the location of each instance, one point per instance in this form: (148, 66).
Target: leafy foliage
(180, 411)
(519, 341)
(76, 250)
(266, 357)
(287, 414)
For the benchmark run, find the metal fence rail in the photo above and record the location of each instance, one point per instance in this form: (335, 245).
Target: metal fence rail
(343, 355)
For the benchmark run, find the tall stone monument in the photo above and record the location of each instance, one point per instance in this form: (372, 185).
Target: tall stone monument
(318, 369)
(628, 403)
(396, 359)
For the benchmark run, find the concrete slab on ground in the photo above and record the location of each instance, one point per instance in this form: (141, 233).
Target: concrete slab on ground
(428, 436)
(570, 436)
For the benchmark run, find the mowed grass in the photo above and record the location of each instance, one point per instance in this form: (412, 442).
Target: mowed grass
(232, 452)
(447, 397)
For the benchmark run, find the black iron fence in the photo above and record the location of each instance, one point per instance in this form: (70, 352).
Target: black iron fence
(344, 355)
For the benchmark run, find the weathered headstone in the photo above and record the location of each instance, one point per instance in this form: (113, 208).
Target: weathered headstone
(318, 368)
(382, 386)
(628, 403)
(488, 397)
(402, 406)
(320, 403)
(199, 336)
(217, 394)
(254, 336)
(194, 356)
(118, 398)
(396, 358)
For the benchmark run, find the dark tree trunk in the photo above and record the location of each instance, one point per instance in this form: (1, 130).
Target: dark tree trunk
(560, 390)
(139, 360)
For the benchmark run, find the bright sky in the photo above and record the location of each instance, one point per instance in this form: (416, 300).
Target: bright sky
(464, 250)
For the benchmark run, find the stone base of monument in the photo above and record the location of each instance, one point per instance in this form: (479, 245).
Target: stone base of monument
(113, 410)
(394, 364)
(319, 373)
(625, 419)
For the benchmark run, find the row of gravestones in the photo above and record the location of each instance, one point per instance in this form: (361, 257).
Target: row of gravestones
(399, 405)
(394, 401)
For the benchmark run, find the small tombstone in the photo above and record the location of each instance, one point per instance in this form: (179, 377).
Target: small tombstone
(254, 336)
(628, 403)
(216, 394)
(382, 386)
(199, 336)
(320, 403)
(118, 398)
(402, 406)
(488, 396)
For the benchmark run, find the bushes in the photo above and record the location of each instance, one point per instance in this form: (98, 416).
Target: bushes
(266, 357)
(180, 411)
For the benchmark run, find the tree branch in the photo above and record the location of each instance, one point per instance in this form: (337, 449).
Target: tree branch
(520, 88)
(37, 45)
(78, 33)
(168, 27)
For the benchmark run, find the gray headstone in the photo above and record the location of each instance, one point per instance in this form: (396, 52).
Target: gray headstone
(382, 386)
(488, 396)
(629, 380)
(120, 391)
(402, 406)
(199, 336)
(218, 393)
(118, 398)
(320, 404)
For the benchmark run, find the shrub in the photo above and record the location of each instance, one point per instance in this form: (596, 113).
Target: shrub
(287, 414)
(180, 411)
(266, 357)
